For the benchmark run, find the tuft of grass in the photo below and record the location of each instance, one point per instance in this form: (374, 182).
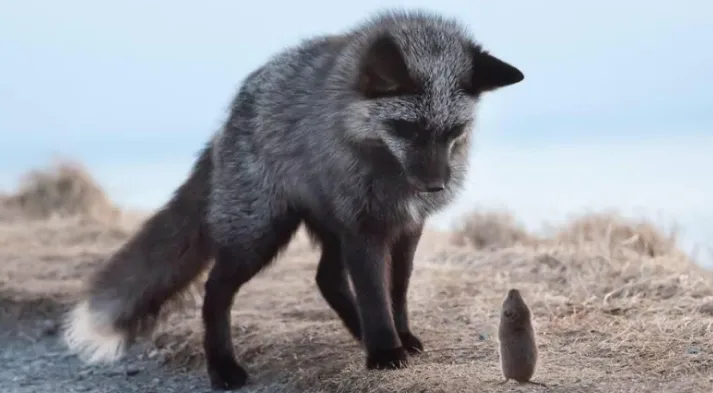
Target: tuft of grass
(613, 230)
(65, 189)
(606, 230)
(483, 229)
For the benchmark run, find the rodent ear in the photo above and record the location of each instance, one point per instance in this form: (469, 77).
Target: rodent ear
(383, 71)
(490, 73)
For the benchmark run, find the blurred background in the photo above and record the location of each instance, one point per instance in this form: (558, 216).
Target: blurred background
(614, 113)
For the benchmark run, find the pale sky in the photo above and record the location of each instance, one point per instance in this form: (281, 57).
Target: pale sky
(614, 111)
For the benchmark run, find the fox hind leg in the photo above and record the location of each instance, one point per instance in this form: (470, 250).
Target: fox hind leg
(246, 254)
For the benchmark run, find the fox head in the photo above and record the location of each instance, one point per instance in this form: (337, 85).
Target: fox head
(418, 78)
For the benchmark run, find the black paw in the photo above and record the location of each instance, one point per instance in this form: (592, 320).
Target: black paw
(411, 343)
(226, 374)
(387, 359)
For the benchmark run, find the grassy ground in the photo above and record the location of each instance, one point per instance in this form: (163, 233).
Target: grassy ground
(617, 307)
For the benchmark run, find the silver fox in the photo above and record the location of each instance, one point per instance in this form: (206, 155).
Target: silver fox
(359, 137)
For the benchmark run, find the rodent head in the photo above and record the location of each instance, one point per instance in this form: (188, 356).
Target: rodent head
(515, 310)
(418, 78)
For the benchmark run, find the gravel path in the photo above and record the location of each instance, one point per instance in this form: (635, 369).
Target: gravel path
(33, 360)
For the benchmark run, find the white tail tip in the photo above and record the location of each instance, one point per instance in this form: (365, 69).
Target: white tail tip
(89, 336)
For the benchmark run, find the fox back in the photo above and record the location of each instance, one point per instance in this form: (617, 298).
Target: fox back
(371, 126)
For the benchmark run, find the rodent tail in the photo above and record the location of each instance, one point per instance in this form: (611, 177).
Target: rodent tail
(124, 298)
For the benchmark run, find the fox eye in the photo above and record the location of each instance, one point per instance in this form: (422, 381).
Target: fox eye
(453, 132)
(404, 129)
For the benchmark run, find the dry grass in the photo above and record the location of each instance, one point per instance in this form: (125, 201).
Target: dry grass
(53, 229)
(617, 308)
(612, 230)
(491, 230)
(64, 190)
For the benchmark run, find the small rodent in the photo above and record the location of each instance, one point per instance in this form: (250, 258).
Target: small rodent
(518, 349)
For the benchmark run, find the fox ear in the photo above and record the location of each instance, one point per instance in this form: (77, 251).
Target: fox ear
(490, 73)
(383, 71)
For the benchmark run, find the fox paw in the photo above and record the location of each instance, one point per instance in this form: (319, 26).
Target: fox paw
(387, 359)
(411, 343)
(226, 374)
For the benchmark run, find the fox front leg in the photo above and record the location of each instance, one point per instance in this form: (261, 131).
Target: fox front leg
(366, 261)
(402, 254)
